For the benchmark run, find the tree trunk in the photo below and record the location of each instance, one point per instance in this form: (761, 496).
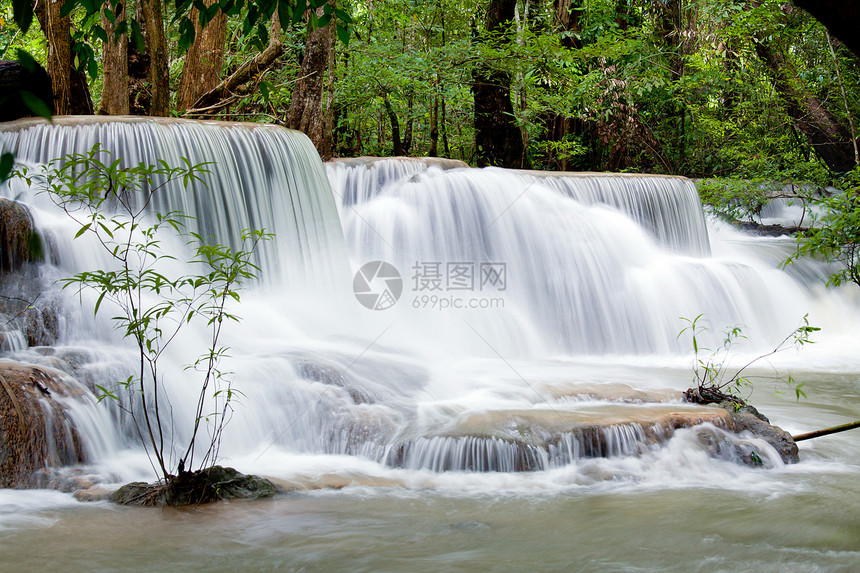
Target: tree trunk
(306, 112)
(829, 139)
(497, 138)
(445, 146)
(156, 46)
(434, 128)
(204, 61)
(410, 123)
(395, 126)
(115, 85)
(71, 93)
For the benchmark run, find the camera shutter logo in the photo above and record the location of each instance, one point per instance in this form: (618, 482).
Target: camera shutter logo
(377, 285)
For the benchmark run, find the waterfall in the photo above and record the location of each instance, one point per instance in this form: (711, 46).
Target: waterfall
(519, 296)
(595, 263)
(259, 178)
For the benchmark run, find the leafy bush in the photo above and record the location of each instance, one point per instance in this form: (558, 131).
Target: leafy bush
(714, 380)
(835, 236)
(149, 305)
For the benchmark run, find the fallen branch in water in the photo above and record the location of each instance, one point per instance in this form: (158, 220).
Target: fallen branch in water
(826, 431)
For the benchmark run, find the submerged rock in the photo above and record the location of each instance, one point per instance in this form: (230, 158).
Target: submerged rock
(194, 488)
(37, 431)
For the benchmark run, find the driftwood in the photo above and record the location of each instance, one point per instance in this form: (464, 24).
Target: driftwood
(826, 431)
(223, 94)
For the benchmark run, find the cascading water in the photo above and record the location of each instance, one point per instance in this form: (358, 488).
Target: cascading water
(595, 264)
(500, 366)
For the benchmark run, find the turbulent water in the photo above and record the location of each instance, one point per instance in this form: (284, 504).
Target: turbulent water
(516, 312)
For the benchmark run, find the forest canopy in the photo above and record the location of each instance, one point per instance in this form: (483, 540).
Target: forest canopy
(702, 88)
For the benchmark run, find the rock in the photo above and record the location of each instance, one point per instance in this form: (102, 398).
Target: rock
(37, 431)
(194, 488)
(781, 440)
(15, 78)
(19, 243)
(537, 439)
(332, 376)
(95, 493)
(745, 417)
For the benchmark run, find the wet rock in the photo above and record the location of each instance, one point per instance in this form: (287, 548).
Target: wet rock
(194, 488)
(94, 493)
(19, 242)
(781, 440)
(538, 439)
(326, 374)
(37, 432)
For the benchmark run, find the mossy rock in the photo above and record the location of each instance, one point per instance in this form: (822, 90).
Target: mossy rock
(35, 430)
(194, 488)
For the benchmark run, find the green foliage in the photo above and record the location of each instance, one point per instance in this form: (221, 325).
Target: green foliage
(736, 199)
(713, 377)
(835, 235)
(150, 305)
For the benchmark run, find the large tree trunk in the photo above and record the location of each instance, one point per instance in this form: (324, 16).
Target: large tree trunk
(204, 60)
(830, 139)
(71, 93)
(115, 71)
(557, 125)
(307, 112)
(497, 138)
(156, 46)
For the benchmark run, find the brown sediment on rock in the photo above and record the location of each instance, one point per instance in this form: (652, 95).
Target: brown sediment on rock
(541, 426)
(302, 482)
(37, 432)
(19, 242)
(609, 392)
(537, 439)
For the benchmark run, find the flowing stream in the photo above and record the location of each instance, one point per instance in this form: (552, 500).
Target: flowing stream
(458, 368)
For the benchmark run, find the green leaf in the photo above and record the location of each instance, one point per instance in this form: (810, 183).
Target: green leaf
(36, 105)
(99, 33)
(82, 230)
(99, 301)
(7, 162)
(23, 14)
(343, 15)
(27, 61)
(137, 36)
(343, 34)
(186, 34)
(299, 11)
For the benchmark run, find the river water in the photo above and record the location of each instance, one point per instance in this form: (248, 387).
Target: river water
(386, 421)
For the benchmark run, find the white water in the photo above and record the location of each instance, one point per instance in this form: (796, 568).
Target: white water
(598, 269)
